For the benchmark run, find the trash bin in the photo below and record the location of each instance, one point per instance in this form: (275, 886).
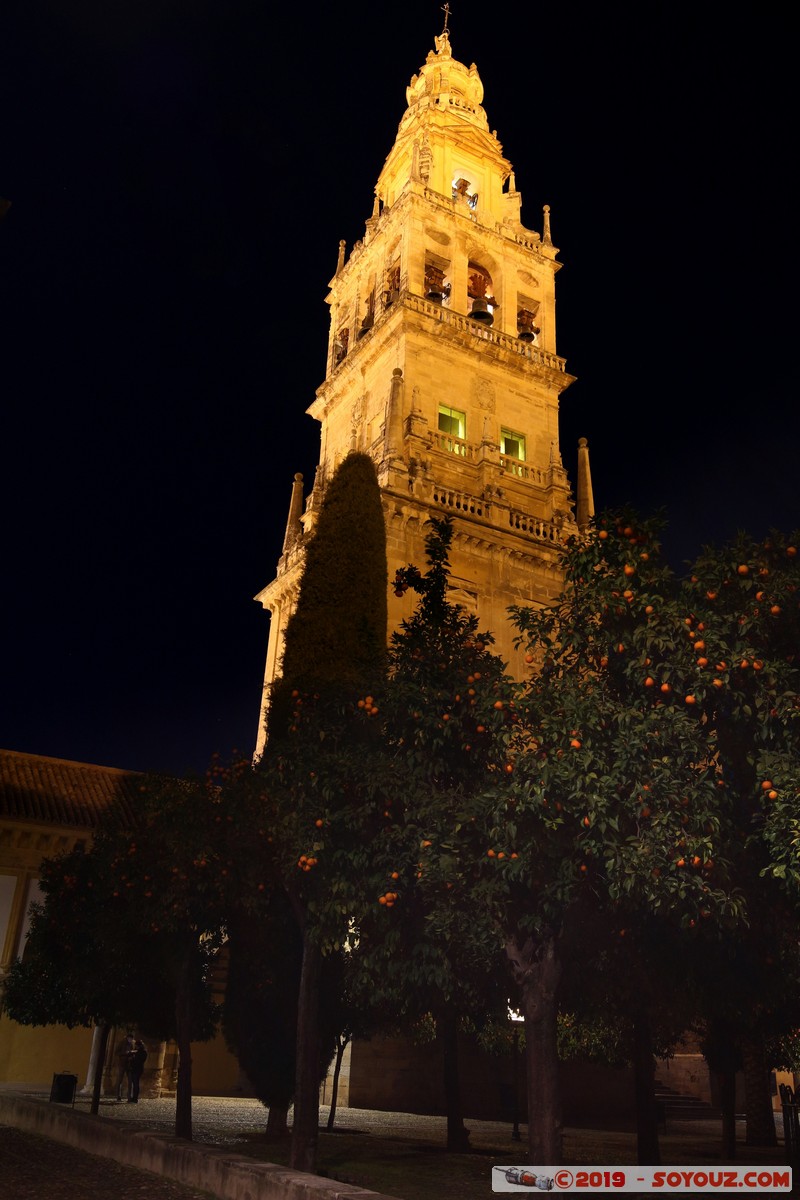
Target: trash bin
(63, 1089)
(791, 1125)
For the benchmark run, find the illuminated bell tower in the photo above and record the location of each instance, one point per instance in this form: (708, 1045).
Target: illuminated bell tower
(442, 366)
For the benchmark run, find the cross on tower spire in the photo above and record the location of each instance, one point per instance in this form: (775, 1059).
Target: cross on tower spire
(446, 11)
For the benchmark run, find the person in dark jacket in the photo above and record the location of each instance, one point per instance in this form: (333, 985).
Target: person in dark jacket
(137, 1061)
(124, 1052)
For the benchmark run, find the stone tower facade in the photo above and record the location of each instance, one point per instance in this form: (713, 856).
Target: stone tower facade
(442, 366)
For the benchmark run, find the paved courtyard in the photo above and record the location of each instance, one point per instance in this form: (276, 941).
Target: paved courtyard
(36, 1168)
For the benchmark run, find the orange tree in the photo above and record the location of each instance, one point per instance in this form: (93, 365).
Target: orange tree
(445, 704)
(604, 800)
(133, 924)
(77, 969)
(740, 667)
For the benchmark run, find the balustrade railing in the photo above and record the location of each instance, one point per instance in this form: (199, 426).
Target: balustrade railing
(514, 466)
(454, 445)
(486, 333)
(462, 502)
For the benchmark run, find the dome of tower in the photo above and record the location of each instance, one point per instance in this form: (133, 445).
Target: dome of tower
(445, 83)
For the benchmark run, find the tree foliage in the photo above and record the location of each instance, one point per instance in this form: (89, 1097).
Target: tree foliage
(336, 638)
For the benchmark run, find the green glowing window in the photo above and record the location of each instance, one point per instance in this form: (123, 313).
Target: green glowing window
(512, 444)
(452, 422)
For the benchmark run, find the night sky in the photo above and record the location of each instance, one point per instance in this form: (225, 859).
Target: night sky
(180, 174)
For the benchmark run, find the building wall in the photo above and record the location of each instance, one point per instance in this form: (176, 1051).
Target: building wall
(395, 1075)
(33, 1054)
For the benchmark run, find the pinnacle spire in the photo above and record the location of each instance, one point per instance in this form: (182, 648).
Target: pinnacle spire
(294, 528)
(584, 504)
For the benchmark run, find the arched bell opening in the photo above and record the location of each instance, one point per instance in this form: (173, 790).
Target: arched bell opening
(480, 291)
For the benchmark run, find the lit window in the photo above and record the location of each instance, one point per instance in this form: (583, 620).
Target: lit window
(452, 422)
(512, 444)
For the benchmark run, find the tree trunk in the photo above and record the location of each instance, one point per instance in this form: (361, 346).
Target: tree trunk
(537, 968)
(342, 1042)
(726, 1081)
(305, 1127)
(760, 1124)
(99, 1066)
(644, 1071)
(183, 1029)
(277, 1120)
(457, 1133)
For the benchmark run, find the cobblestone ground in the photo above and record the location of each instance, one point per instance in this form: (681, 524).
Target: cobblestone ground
(35, 1168)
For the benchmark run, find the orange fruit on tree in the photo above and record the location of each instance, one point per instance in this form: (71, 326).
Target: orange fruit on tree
(743, 569)
(665, 687)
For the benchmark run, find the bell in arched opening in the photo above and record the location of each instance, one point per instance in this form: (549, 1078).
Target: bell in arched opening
(479, 290)
(526, 330)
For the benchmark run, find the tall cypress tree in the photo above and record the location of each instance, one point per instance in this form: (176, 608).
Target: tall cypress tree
(336, 639)
(334, 654)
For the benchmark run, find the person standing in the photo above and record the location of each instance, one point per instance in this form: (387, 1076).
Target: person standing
(137, 1061)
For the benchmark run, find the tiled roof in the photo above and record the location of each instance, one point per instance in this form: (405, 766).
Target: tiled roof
(53, 791)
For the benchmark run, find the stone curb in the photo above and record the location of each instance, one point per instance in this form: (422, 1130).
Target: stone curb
(226, 1176)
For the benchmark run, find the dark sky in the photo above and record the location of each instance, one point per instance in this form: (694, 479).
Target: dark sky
(180, 175)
